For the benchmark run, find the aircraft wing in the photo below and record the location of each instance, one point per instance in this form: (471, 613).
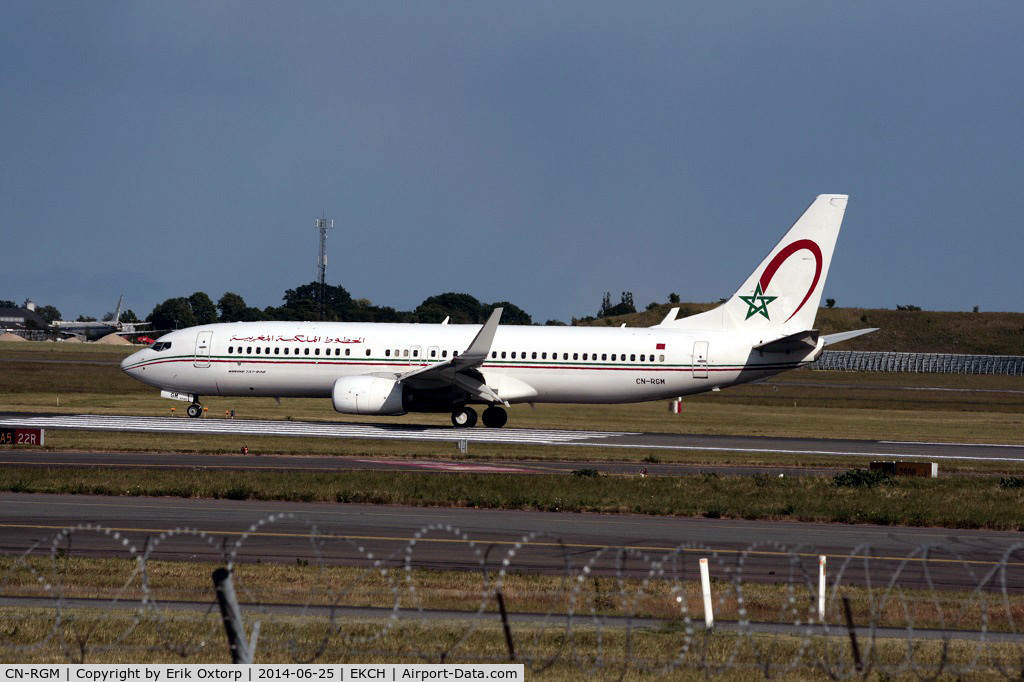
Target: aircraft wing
(461, 371)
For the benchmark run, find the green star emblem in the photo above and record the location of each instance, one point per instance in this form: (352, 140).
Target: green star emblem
(758, 307)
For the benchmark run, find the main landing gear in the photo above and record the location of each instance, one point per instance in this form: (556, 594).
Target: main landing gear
(494, 417)
(464, 417)
(194, 410)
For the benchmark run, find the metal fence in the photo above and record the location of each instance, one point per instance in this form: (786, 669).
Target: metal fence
(607, 613)
(945, 363)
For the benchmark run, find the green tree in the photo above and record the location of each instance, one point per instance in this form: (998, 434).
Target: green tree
(304, 302)
(49, 313)
(8, 304)
(129, 316)
(512, 314)
(462, 308)
(203, 308)
(232, 308)
(174, 313)
(673, 297)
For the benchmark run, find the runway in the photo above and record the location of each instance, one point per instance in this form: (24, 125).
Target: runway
(330, 463)
(535, 437)
(531, 541)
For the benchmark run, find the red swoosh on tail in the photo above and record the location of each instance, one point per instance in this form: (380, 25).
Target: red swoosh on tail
(782, 256)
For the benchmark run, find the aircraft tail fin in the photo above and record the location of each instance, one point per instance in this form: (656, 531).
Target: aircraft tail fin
(784, 292)
(117, 311)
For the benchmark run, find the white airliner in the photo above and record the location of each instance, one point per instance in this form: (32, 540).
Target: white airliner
(391, 369)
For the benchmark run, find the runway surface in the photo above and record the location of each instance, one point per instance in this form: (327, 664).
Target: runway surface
(536, 437)
(531, 541)
(329, 463)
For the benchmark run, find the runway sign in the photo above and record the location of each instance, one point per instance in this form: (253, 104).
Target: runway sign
(21, 436)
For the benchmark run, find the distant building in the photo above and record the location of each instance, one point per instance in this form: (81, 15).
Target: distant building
(22, 318)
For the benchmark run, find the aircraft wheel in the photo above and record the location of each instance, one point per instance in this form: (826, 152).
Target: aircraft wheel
(195, 410)
(495, 417)
(464, 418)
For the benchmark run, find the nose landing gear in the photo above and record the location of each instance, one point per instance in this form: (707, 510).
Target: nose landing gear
(194, 410)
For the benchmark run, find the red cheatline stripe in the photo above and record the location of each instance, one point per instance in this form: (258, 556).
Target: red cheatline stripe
(637, 368)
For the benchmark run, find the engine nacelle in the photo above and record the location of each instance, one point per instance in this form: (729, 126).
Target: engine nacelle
(368, 395)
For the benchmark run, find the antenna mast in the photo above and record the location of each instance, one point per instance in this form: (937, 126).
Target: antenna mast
(322, 224)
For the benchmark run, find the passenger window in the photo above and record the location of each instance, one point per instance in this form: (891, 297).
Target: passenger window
(387, 353)
(632, 358)
(415, 353)
(286, 351)
(661, 358)
(277, 351)
(641, 358)
(231, 349)
(565, 356)
(433, 353)
(513, 355)
(248, 350)
(584, 356)
(306, 352)
(494, 354)
(502, 355)
(257, 350)
(444, 354)
(604, 356)
(533, 356)
(543, 356)
(575, 356)
(316, 351)
(455, 353)
(367, 352)
(405, 353)
(348, 351)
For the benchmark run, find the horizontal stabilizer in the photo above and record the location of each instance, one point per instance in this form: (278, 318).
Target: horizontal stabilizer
(845, 336)
(801, 341)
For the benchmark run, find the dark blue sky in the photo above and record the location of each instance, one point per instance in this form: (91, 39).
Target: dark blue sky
(541, 153)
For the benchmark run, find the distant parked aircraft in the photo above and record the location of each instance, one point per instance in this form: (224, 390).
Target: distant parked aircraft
(90, 331)
(766, 327)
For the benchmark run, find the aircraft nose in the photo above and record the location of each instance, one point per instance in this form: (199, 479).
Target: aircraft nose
(128, 362)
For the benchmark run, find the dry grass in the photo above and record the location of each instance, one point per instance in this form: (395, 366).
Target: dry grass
(671, 598)
(549, 653)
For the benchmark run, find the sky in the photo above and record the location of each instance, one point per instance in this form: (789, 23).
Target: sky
(534, 152)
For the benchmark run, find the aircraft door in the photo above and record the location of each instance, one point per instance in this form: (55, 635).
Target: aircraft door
(415, 355)
(700, 359)
(203, 343)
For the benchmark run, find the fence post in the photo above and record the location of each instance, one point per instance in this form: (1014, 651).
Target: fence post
(822, 559)
(242, 651)
(858, 663)
(705, 587)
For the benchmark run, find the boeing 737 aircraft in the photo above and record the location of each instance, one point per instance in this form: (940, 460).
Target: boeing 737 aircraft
(766, 327)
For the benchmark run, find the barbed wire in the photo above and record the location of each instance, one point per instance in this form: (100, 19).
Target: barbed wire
(88, 591)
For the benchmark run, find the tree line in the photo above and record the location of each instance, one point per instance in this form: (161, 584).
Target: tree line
(304, 303)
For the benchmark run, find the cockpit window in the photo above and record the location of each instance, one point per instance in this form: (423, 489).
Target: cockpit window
(161, 345)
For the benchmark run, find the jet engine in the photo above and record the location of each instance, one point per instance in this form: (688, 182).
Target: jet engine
(368, 395)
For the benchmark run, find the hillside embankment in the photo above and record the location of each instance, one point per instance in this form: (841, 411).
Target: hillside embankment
(911, 331)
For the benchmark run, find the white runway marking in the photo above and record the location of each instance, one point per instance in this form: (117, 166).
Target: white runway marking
(252, 427)
(973, 445)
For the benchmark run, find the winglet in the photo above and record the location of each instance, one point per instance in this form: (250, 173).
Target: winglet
(481, 345)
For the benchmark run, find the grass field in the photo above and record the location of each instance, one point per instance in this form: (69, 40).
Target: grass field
(949, 502)
(550, 653)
